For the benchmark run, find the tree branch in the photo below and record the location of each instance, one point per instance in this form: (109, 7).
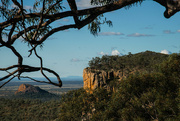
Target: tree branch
(27, 68)
(7, 82)
(172, 7)
(51, 7)
(65, 27)
(11, 32)
(10, 25)
(40, 22)
(10, 74)
(94, 10)
(41, 69)
(73, 7)
(100, 10)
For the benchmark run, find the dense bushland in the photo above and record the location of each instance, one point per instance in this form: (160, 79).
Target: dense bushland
(144, 60)
(140, 97)
(40, 96)
(28, 109)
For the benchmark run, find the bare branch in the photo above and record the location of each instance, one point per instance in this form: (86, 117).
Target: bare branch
(1, 40)
(26, 68)
(172, 7)
(95, 10)
(65, 27)
(57, 16)
(44, 19)
(7, 82)
(40, 22)
(72, 4)
(18, 4)
(10, 74)
(20, 59)
(41, 68)
(79, 26)
(23, 22)
(11, 32)
(16, 36)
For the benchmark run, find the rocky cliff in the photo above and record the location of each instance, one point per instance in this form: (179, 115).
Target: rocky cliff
(107, 68)
(94, 79)
(27, 88)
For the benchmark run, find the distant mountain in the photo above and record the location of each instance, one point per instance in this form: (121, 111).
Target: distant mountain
(27, 88)
(28, 91)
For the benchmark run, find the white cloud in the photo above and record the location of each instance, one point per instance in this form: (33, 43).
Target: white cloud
(102, 53)
(115, 52)
(178, 31)
(110, 33)
(168, 32)
(84, 4)
(139, 35)
(165, 52)
(75, 60)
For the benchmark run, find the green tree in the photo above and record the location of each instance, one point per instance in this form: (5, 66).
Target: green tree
(35, 26)
(25, 109)
(74, 105)
(95, 63)
(153, 96)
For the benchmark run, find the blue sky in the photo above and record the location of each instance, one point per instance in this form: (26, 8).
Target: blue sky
(134, 30)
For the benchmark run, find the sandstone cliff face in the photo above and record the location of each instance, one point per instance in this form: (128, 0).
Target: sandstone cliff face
(94, 79)
(27, 88)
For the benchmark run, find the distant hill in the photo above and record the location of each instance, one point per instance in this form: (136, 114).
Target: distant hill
(27, 88)
(33, 92)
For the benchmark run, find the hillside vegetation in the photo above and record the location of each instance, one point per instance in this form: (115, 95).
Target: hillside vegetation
(150, 96)
(102, 71)
(144, 60)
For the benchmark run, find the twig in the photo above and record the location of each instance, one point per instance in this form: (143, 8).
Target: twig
(40, 22)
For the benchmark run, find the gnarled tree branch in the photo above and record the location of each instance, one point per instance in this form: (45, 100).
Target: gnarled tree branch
(21, 24)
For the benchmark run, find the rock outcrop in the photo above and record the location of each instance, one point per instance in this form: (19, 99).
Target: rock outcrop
(108, 68)
(27, 88)
(94, 79)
